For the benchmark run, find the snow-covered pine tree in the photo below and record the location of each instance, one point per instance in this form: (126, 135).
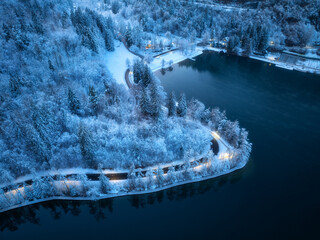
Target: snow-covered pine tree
(171, 175)
(128, 37)
(264, 39)
(15, 84)
(160, 177)
(7, 32)
(84, 184)
(245, 145)
(137, 70)
(140, 183)
(115, 7)
(51, 186)
(146, 75)
(182, 106)
(36, 145)
(155, 99)
(39, 187)
(36, 25)
(132, 178)
(73, 101)
(51, 67)
(63, 184)
(4, 201)
(108, 40)
(28, 192)
(104, 183)
(172, 108)
(187, 170)
(144, 102)
(150, 179)
(93, 100)
(86, 146)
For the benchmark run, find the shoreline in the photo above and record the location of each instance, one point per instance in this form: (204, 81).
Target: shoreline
(123, 194)
(200, 50)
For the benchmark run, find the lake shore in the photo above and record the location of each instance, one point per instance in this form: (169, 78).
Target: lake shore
(122, 194)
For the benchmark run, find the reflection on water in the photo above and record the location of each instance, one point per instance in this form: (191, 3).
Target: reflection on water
(13, 219)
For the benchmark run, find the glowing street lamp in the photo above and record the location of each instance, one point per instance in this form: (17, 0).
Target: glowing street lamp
(215, 135)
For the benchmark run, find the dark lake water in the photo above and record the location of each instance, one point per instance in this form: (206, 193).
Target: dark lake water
(276, 196)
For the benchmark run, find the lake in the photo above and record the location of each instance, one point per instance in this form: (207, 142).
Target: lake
(276, 196)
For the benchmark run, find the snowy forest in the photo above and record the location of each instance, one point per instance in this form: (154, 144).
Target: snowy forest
(270, 24)
(61, 107)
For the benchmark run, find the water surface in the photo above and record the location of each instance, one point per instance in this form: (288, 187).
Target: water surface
(276, 196)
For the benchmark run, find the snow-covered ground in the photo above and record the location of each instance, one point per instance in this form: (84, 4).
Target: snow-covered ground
(116, 62)
(175, 57)
(308, 66)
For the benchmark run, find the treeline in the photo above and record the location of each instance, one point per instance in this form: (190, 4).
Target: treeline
(285, 23)
(78, 185)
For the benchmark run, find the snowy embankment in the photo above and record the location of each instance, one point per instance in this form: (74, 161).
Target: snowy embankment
(119, 188)
(307, 66)
(138, 181)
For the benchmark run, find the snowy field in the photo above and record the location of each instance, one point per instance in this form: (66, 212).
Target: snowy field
(116, 62)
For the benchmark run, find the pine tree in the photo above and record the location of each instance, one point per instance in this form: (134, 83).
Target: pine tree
(28, 192)
(20, 38)
(104, 183)
(160, 177)
(84, 184)
(264, 40)
(39, 188)
(108, 40)
(182, 106)
(86, 146)
(150, 179)
(115, 7)
(172, 108)
(144, 102)
(51, 67)
(15, 84)
(64, 20)
(88, 39)
(171, 175)
(4, 200)
(146, 75)
(93, 100)
(187, 169)
(37, 26)
(74, 103)
(51, 187)
(128, 37)
(155, 100)
(41, 122)
(63, 181)
(36, 145)
(131, 179)
(140, 182)
(6, 31)
(137, 71)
